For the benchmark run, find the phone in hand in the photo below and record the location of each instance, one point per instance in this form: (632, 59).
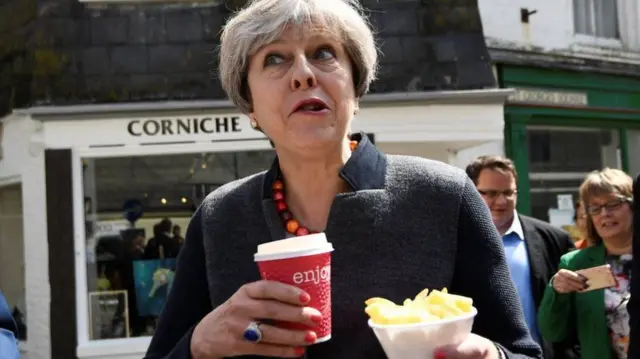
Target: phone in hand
(599, 277)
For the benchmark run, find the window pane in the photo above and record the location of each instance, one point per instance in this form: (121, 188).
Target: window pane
(606, 19)
(12, 276)
(582, 17)
(564, 150)
(544, 194)
(130, 267)
(559, 159)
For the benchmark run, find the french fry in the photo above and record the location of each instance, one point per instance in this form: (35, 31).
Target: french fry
(426, 306)
(378, 300)
(423, 294)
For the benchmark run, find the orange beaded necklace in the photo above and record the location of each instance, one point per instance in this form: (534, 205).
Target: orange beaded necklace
(291, 224)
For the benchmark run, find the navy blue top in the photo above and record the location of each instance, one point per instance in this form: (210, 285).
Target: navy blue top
(408, 223)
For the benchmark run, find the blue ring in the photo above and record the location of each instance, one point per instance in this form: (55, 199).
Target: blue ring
(253, 333)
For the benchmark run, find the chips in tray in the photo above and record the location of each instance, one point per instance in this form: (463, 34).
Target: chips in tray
(425, 307)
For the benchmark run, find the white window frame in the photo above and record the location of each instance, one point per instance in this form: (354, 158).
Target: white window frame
(588, 40)
(592, 40)
(125, 347)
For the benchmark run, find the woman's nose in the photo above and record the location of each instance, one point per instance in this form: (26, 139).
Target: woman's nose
(303, 76)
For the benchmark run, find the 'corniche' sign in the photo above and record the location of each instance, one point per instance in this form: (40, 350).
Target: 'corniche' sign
(188, 125)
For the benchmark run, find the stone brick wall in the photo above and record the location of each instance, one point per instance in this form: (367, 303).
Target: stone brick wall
(16, 18)
(430, 45)
(76, 53)
(126, 53)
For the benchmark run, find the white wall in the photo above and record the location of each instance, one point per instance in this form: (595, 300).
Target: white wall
(443, 152)
(551, 29)
(463, 157)
(424, 150)
(23, 162)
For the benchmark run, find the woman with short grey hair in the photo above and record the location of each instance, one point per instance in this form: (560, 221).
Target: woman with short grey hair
(298, 69)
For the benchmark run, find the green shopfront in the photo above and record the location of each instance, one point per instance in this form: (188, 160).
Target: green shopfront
(560, 125)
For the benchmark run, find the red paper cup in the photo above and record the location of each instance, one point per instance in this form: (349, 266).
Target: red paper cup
(308, 269)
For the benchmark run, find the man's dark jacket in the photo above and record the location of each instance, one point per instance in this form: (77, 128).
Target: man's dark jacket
(634, 305)
(545, 245)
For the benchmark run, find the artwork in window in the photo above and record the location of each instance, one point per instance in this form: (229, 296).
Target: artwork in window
(108, 314)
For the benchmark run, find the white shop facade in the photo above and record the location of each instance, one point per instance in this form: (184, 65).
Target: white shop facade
(97, 182)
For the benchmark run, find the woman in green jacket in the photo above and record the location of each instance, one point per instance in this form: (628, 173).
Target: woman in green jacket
(599, 317)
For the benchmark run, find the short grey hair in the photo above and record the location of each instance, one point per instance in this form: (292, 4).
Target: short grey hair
(263, 21)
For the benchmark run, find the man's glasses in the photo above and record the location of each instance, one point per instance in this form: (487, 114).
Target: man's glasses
(612, 205)
(493, 195)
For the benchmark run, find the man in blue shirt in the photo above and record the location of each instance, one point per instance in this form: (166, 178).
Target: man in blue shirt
(533, 248)
(8, 332)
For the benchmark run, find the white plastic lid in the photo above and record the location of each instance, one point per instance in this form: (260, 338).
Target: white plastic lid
(310, 243)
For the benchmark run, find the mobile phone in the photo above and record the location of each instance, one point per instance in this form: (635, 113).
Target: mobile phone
(599, 277)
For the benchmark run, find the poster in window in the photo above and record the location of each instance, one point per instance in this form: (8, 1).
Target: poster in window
(153, 280)
(108, 315)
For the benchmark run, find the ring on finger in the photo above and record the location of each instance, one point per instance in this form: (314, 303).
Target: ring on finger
(253, 333)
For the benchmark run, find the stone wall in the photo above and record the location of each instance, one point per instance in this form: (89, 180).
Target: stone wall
(16, 20)
(121, 53)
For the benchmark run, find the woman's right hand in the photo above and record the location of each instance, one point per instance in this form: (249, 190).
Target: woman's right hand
(566, 281)
(220, 333)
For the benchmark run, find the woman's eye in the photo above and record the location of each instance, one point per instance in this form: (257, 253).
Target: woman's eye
(273, 59)
(325, 53)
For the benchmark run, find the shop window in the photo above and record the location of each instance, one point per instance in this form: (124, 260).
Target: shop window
(596, 18)
(12, 273)
(566, 150)
(137, 210)
(559, 160)
(540, 147)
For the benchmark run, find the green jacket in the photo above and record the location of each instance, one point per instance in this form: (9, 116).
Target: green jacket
(560, 314)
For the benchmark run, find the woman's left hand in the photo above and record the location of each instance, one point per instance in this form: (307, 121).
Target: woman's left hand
(475, 347)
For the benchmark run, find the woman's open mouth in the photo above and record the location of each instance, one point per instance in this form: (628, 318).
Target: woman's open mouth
(311, 106)
(609, 224)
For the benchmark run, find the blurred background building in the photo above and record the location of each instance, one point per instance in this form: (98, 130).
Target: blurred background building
(574, 65)
(112, 115)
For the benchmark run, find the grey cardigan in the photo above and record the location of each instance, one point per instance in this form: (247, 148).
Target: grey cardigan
(408, 224)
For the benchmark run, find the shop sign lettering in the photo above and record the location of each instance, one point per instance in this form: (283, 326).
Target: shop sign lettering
(184, 126)
(314, 276)
(547, 97)
(109, 228)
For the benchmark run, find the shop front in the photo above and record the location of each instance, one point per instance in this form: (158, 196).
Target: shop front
(120, 178)
(560, 125)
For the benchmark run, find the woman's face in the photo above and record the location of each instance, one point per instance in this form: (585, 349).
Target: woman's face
(611, 216)
(302, 91)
